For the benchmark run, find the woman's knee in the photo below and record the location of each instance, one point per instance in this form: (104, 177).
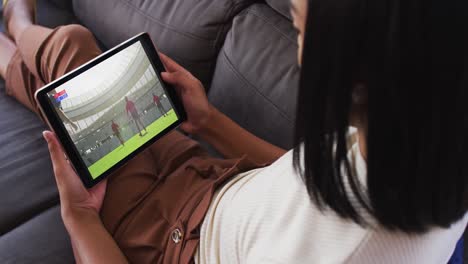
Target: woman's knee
(68, 48)
(75, 34)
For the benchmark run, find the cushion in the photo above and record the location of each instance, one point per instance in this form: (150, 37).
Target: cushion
(63, 4)
(256, 77)
(189, 31)
(42, 239)
(281, 6)
(27, 185)
(53, 13)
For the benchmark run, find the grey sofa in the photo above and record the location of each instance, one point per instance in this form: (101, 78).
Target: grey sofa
(244, 51)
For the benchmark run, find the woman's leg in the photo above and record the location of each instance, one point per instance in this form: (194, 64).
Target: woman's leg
(44, 55)
(8, 49)
(137, 179)
(18, 15)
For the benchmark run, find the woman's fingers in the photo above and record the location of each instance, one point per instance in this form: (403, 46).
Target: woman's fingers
(62, 170)
(56, 154)
(73, 194)
(170, 64)
(178, 79)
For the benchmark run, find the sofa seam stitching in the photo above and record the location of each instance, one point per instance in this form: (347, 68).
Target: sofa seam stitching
(33, 216)
(231, 66)
(163, 24)
(266, 21)
(218, 42)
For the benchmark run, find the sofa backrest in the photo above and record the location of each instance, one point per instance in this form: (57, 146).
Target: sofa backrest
(190, 31)
(281, 6)
(256, 76)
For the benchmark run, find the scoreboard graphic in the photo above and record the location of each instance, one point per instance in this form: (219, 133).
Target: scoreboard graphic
(60, 96)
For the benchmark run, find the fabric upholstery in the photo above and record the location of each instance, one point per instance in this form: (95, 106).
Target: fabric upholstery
(255, 82)
(63, 5)
(281, 6)
(56, 13)
(190, 31)
(31, 230)
(43, 239)
(24, 166)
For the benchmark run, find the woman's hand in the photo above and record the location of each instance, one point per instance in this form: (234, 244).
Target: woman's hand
(192, 93)
(75, 199)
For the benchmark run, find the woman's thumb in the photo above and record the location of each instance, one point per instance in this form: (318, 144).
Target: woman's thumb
(56, 153)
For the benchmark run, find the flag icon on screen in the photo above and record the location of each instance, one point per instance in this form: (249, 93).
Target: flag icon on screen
(61, 96)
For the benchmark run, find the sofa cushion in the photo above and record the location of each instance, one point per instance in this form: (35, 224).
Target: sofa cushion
(281, 6)
(31, 230)
(27, 185)
(256, 77)
(53, 13)
(190, 31)
(64, 5)
(42, 239)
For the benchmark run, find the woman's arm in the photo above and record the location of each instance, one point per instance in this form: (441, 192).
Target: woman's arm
(233, 141)
(75, 251)
(205, 121)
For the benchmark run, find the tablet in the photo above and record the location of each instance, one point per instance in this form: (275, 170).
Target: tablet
(107, 111)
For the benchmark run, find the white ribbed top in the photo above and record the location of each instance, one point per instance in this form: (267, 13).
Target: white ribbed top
(266, 216)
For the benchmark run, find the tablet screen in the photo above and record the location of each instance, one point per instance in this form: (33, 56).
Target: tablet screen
(112, 109)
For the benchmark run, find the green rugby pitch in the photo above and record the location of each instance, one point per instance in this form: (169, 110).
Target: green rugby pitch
(131, 145)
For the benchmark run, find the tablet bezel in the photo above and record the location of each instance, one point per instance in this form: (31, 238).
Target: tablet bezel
(58, 127)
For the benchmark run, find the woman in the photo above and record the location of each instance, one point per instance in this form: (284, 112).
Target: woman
(397, 195)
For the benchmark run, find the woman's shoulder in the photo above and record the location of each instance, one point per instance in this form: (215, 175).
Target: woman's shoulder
(272, 210)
